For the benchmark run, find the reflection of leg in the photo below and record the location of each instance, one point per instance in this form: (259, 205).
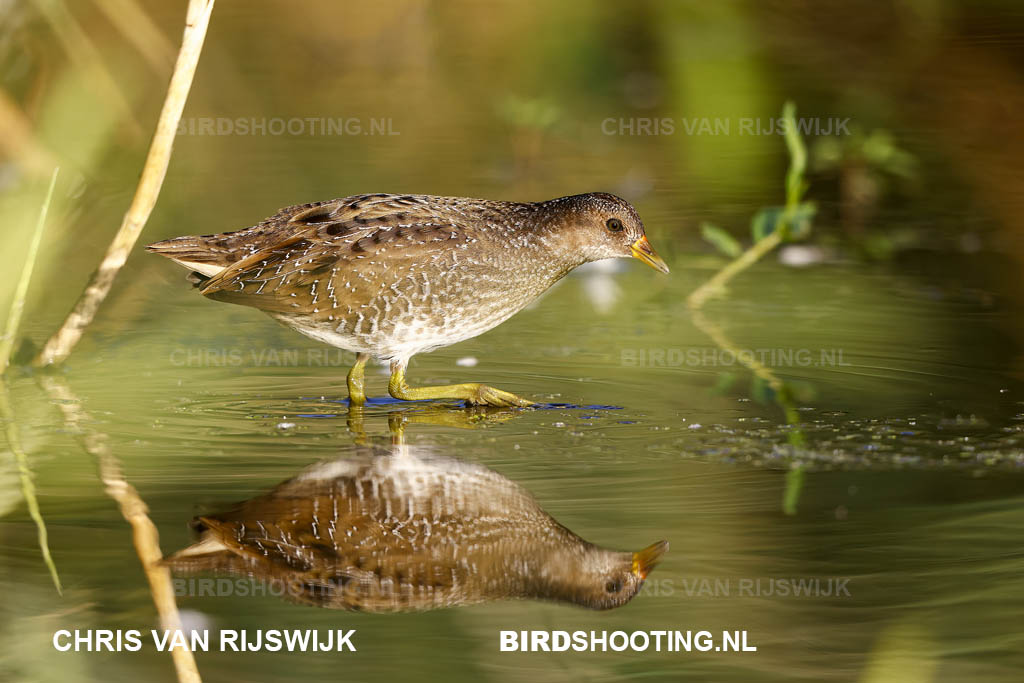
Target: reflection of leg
(355, 425)
(356, 395)
(396, 425)
(477, 394)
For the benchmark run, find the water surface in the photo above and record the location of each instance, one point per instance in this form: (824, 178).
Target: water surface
(904, 489)
(890, 467)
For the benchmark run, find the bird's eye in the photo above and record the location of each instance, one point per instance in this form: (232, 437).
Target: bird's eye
(613, 586)
(614, 224)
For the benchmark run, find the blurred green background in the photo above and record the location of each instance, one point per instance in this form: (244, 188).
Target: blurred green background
(911, 467)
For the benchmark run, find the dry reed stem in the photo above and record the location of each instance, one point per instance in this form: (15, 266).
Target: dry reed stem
(59, 346)
(144, 533)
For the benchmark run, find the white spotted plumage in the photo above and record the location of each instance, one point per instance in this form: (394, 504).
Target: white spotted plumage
(396, 275)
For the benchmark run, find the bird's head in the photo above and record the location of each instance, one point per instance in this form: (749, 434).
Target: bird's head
(598, 225)
(599, 578)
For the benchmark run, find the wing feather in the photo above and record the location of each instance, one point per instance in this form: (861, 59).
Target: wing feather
(340, 236)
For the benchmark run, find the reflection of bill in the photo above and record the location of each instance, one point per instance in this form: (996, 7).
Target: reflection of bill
(407, 532)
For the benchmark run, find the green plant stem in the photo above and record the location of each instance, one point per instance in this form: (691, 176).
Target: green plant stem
(794, 484)
(795, 187)
(720, 339)
(28, 488)
(748, 258)
(781, 395)
(18, 303)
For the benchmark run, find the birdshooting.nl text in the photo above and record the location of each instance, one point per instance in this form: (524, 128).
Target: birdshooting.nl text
(712, 356)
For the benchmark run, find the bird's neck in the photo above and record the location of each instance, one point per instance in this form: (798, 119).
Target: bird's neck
(554, 570)
(552, 226)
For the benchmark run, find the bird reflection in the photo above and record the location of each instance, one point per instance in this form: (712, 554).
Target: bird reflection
(403, 529)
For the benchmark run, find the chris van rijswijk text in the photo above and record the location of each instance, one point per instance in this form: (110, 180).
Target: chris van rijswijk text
(227, 640)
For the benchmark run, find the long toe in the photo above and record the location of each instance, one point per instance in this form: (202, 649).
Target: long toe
(489, 396)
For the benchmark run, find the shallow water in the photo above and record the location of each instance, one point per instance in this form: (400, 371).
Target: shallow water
(886, 485)
(901, 501)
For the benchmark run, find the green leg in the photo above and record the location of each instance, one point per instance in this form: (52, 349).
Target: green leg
(476, 394)
(356, 395)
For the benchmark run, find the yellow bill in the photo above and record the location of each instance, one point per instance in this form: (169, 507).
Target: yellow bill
(645, 560)
(642, 250)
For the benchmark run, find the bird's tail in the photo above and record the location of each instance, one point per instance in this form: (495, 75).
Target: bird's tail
(207, 255)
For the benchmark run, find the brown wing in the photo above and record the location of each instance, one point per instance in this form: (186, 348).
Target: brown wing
(356, 237)
(336, 548)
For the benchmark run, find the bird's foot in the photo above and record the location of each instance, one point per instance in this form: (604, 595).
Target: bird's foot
(489, 396)
(471, 392)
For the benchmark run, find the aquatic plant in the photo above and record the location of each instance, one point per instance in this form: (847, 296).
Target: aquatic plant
(770, 227)
(28, 488)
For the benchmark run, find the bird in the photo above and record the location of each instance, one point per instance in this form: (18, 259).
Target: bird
(394, 275)
(409, 531)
